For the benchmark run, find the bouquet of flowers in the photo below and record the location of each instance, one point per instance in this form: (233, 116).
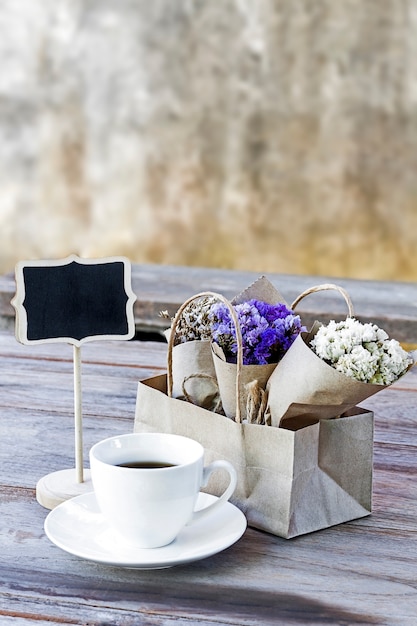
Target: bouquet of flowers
(362, 351)
(331, 369)
(267, 330)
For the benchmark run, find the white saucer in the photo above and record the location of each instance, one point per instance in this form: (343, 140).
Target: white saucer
(78, 527)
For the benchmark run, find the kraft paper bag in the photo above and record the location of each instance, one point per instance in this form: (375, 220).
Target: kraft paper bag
(289, 482)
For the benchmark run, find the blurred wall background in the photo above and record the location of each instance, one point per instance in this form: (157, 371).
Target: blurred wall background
(269, 135)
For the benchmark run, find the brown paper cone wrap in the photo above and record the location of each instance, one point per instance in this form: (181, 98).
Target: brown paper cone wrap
(304, 389)
(226, 380)
(226, 372)
(193, 373)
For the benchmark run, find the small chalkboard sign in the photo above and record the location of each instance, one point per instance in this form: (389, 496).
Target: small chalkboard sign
(73, 301)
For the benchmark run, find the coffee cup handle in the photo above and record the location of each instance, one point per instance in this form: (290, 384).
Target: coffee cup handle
(208, 470)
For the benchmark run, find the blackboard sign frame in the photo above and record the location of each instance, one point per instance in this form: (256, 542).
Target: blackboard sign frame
(21, 326)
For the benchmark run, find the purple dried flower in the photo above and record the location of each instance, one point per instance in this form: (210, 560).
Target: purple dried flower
(268, 330)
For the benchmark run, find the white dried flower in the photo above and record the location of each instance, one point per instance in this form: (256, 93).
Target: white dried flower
(194, 323)
(361, 351)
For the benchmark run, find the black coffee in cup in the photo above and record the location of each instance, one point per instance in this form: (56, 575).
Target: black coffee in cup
(146, 464)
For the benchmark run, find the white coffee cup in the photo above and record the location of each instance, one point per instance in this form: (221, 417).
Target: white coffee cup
(148, 506)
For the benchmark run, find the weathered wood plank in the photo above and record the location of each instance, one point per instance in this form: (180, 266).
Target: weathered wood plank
(392, 305)
(46, 440)
(131, 353)
(263, 580)
(395, 415)
(48, 386)
(55, 389)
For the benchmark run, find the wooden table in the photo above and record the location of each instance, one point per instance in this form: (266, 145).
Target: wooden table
(361, 572)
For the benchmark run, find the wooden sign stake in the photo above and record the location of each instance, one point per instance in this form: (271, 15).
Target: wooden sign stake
(73, 300)
(78, 416)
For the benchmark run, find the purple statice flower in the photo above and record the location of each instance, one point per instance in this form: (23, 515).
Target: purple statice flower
(268, 330)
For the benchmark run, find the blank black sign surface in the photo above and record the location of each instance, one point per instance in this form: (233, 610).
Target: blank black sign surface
(75, 300)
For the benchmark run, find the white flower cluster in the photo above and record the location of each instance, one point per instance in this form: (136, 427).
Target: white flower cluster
(194, 324)
(361, 351)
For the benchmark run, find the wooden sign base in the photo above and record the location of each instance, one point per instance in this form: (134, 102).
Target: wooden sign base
(59, 486)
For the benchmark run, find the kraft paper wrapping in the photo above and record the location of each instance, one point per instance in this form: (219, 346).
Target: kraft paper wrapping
(194, 375)
(289, 482)
(226, 380)
(304, 389)
(262, 289)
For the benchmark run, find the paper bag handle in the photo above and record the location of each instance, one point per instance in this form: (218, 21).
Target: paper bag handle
(239, 361)
(324, 287)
